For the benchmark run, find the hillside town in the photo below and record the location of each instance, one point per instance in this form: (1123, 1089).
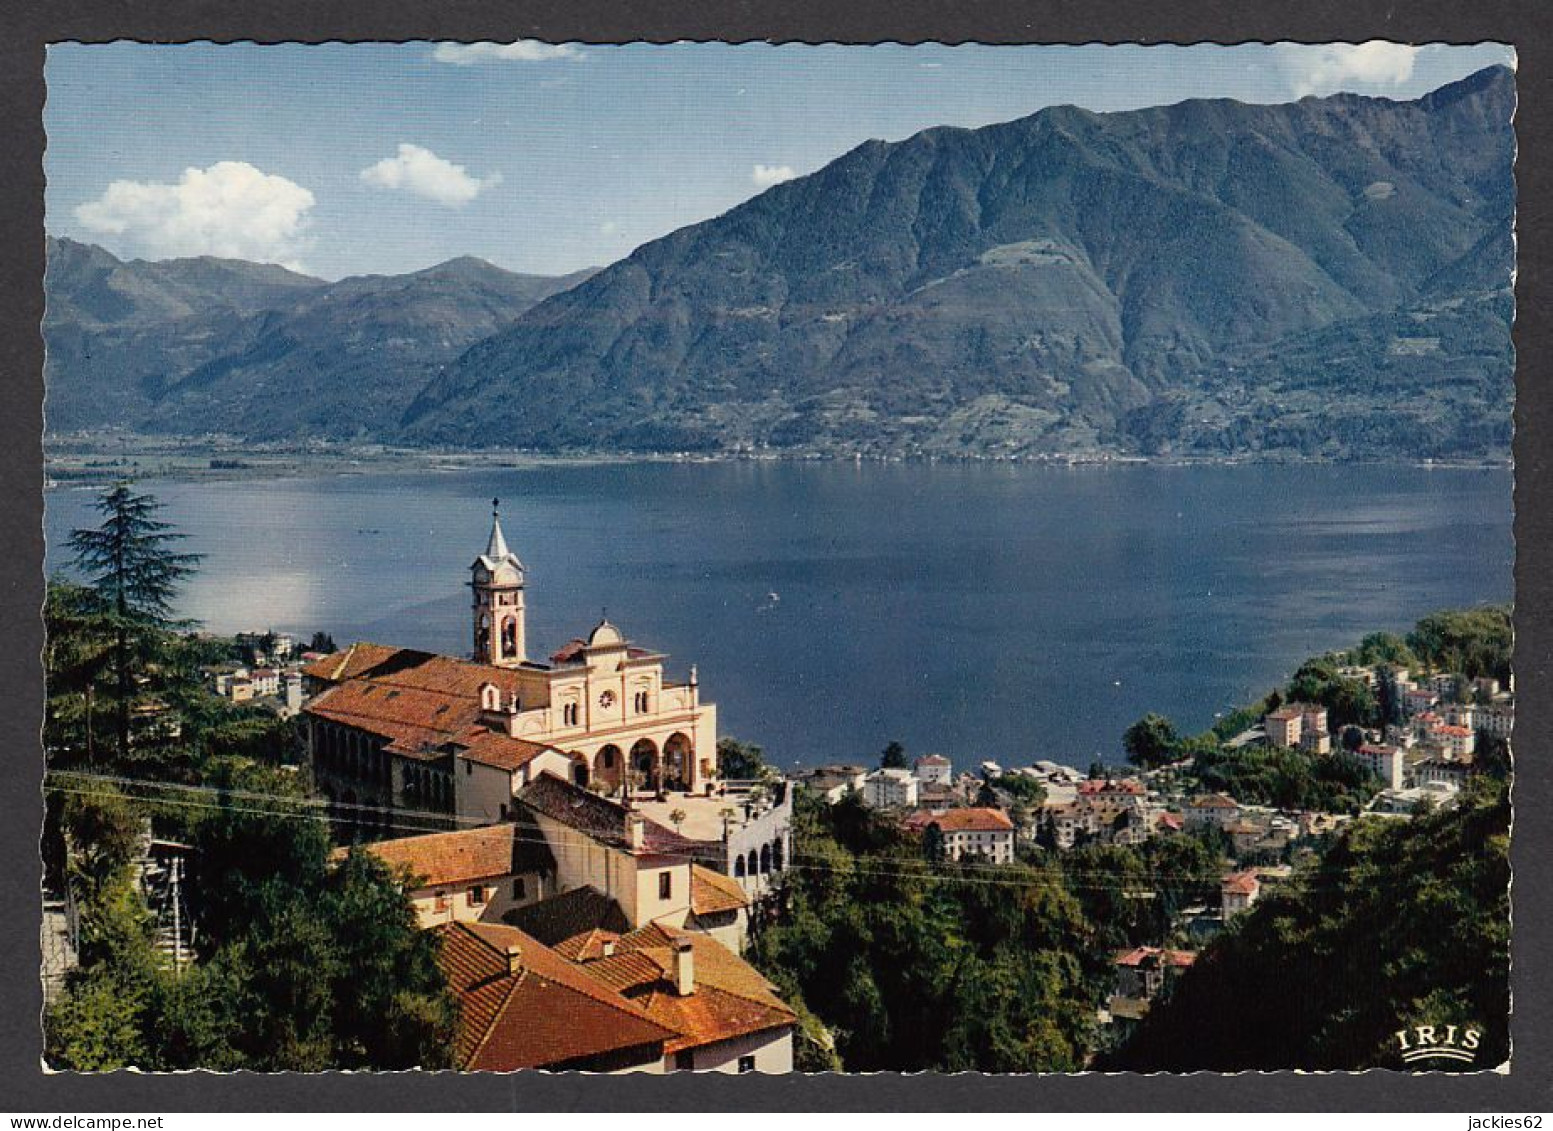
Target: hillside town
(606, 881)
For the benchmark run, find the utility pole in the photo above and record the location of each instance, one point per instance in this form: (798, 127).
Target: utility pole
(175, 895)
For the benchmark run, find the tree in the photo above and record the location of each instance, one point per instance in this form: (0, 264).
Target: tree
(1150, 742)
(322, 642)
(893, 757)
(135, 573)
(740, 761)
(76, 657)
(677, 818)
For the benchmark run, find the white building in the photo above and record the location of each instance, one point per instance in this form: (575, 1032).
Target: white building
(890, 789)
(934, 768)
(970, 832)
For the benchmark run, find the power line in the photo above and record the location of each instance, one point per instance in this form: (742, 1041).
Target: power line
(862, 866)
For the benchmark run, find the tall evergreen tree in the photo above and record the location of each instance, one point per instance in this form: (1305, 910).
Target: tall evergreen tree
(130, 563)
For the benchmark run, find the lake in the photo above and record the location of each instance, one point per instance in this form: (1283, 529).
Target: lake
(981, 611)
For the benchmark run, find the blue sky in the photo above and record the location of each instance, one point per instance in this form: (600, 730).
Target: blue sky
(348, 159)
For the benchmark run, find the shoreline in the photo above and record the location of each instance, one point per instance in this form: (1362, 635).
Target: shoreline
(98, 459)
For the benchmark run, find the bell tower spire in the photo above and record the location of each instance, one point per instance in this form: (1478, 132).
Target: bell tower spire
(496, 580)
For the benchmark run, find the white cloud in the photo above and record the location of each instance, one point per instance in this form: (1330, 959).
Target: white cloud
(231, 210)
(767, 175)
(420, 171)
(523, 51)
(608, 228)
(1340, 66)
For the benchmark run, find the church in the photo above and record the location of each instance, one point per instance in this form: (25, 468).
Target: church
(398, 734)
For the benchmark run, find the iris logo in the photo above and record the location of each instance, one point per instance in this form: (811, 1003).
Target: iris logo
(1438, 1042)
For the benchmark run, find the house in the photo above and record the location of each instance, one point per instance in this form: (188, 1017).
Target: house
(521, 1005)
(1452, 741)
(471, 875)
(890, 789)
(1388, 763)
(934, 768)
(1142, 974)
(723, 1013)
(266, 681)
(1300, 726)
(1439, 768)
(1237, 892)
(1283, 726)
(602, 844)
(832, 783)
(1143, 971)
(719, 907)
(1417, 700)
(1245, 836)
(1405, 802)
(969, 832)
(1211, 809)
(1088, 820)
(1112, 791)
(1497, 719)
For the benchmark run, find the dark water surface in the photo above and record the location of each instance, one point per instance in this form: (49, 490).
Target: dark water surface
(981, 611)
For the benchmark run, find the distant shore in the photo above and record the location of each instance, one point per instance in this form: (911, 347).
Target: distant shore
(105, 457)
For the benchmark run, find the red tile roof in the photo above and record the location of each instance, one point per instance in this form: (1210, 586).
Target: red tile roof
(1214, 801)
(712, 892)
(1139, 955)
(600, 818)
(972, 821)
(419, 702)
(548, 1013)
(1241, 883)
(1095, 785)
(731, 997)
(462, 856)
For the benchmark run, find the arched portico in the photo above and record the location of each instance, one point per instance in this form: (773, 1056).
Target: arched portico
(679, 769)
(608, 766)
(582, 773)
(647, 764)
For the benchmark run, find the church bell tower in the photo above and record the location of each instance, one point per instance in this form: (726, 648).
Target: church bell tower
(496, 579)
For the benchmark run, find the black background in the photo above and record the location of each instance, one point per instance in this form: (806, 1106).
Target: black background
(24, 30)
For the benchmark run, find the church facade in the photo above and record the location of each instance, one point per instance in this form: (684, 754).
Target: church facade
(402, 740)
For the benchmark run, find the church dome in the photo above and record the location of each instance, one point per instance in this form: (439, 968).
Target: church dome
(604, 635)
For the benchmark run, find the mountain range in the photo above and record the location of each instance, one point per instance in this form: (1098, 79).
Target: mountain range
(1325, 278)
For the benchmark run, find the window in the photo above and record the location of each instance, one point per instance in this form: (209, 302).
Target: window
(476, 896)
(685, 1060)
(746, 1064)
(665, 885)
(469, 768)
(442, 901)
(519, 890)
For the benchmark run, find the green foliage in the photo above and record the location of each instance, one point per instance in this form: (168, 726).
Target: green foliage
(945, 966)
(104, 829)
(303, 966)
(1286, 779)
(1399, 922)
(1348, 701)
(1150, 742)
(134, 573)
(1023, 787)
(1383, 648)
(892, 757)
(1474, 642)
(322, 642)
(740, 761)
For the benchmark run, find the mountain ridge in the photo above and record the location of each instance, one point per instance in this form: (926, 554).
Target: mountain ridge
(1324, 278)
